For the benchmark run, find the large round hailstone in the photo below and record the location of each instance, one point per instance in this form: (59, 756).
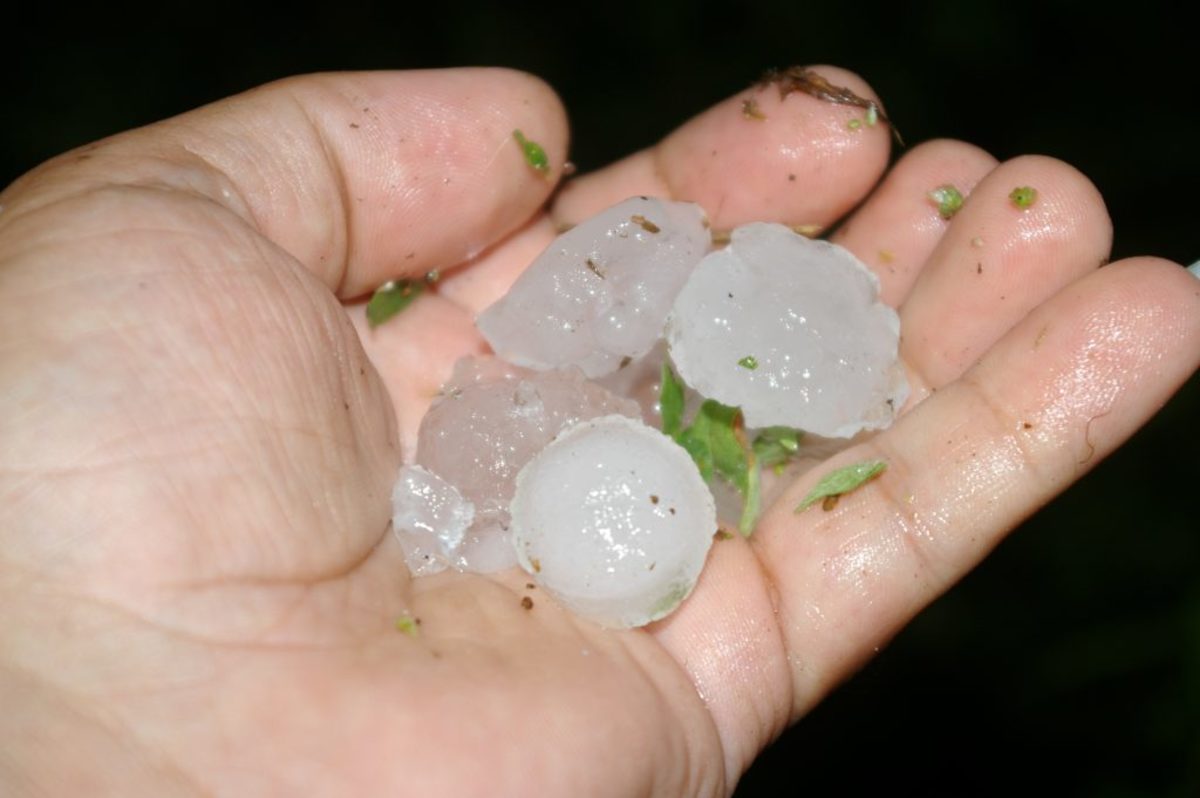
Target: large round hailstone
(614, 521)
(598, 296)
(792, 331)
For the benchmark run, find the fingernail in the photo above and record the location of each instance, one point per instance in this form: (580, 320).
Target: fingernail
(1195, 268)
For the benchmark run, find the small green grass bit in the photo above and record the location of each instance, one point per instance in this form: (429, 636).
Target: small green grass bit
(854, 124)
(670, 402)
(1023, 196)
(843, 480)
(408, 625)
(389, 299)
(751, 497)
(872, 115)
(948, 200)
(776, 445)
(749, 362)
(535, 156)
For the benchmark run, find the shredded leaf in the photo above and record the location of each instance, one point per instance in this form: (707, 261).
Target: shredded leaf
(872, 115)
(750, 109)
(670, 402)
(854, 124)
(389, 299)
(408, 625)
(1023, 196)
(843, 480)
(711, 442)
(749, 362)
(948, 200)
(716, 441)
(535, 156)
(776, 445)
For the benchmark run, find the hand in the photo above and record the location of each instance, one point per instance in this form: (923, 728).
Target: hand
(196, 452)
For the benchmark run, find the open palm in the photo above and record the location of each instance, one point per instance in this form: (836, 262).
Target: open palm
(198, 437)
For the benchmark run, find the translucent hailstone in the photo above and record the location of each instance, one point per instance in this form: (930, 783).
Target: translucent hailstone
(598, 295)
(790, 330)
(614, 521)
(490, 420)
(430, 518)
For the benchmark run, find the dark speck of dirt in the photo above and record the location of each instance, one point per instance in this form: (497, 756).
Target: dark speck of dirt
(527, 603)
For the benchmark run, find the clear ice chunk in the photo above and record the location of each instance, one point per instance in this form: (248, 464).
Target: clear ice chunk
(614, 521)
(790, 330)
(430, 519)
(599, 294)
(491, 419)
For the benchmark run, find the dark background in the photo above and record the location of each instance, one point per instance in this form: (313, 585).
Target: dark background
(1069, 663)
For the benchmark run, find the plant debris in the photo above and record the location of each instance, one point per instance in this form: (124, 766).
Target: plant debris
(535, 156)
(1023, 196)
(841, 481)
(716, 440)
(948, 200)
(750, 109)
(803, 79)
(389, 299)
(409, 625)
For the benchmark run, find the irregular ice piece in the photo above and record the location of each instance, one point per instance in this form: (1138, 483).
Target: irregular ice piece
(491, 419)
(614, 521)
(429, 517)
(792, 331)
(600, 292)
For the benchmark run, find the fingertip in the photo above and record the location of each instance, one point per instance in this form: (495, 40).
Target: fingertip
(770, 155)
(899, 225)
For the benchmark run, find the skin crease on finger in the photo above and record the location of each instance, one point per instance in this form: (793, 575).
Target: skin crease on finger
(682, 707)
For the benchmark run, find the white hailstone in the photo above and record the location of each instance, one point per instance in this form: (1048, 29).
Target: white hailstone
(613, 520)
(792, 331)
(490, 420)
(430, 518)
(598, 296)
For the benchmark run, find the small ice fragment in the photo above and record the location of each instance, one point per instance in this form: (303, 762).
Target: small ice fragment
(491, 419)
(601, 290)
(824, 346)
(614, 521)
(430, 518)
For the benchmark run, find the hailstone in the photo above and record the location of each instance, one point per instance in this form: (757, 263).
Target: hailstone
(598, 296)
(790, 330)
(614, 521)
(429, 518)
(490, 420)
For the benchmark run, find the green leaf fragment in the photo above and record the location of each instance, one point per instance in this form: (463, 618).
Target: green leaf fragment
(749, 362)
(774, 446)
(716, 441)
(408, 625)
(854, 124)
(711, 442)
(843, 480)
(751, 498)
(948, 200)
(535, 156)
(1023, 196)
(872, 115)
(389, 299)
(670, 402)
